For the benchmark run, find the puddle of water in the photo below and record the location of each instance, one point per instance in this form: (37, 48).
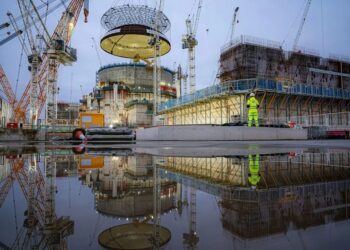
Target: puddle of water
(246, 198)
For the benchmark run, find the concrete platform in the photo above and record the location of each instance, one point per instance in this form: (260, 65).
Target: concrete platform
(218, 133)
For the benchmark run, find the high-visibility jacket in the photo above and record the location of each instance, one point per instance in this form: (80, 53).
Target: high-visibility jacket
(254, 166)
(253, 103)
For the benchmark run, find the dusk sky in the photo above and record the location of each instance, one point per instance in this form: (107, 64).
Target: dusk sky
(326, 30)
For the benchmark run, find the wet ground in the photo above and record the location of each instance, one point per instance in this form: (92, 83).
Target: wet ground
(204, 195)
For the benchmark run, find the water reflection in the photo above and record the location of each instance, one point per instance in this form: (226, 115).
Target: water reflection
(256, 195)
(41, 227)
(267, 195)
(123, 186)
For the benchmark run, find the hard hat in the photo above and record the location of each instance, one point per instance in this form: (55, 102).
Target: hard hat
(252, 95)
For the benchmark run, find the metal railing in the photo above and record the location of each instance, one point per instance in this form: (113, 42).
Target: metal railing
(248, 85)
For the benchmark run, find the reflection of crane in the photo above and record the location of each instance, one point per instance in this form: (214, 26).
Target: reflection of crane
(191, 239)
(301, 26)
(234, 21)
(43, 69)
(190, 42)
(41, 228)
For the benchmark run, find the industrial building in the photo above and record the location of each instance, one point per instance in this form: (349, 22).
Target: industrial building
(298, 86)
(67, 113)
(124, 93)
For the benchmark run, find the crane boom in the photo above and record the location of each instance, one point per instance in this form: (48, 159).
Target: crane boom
(10, 37)
(98, 54)
(195, 26)
(20, 28)
(21, 39)
(234, 23)
(301, 26)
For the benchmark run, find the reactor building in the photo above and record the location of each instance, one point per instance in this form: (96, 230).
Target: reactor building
(124, 93)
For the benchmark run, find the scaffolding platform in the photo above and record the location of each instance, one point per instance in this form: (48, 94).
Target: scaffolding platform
(257, 85)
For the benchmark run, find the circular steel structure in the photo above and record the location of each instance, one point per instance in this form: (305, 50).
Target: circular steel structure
(133, 41)
(132, 236)
(134, 14)
(131, 31)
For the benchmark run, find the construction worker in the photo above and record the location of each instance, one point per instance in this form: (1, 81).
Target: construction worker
(253, 175)
(253, 105)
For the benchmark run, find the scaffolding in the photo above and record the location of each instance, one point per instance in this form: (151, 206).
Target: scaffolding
(287, 84)
(279, 102)
(276, 170)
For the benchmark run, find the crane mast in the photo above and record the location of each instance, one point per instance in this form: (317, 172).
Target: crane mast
(155, 41)
(301, 26)
(190, 42)
(156, 178)
(44, 70)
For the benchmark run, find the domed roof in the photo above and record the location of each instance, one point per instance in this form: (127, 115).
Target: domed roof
(118, 16)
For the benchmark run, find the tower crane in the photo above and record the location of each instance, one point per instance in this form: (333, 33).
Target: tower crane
(301, 26)
(44, 69)
(156, 178)
(190, 42)
(181, 82)
(233, 26)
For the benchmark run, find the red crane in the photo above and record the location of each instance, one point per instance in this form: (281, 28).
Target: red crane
(20, 108)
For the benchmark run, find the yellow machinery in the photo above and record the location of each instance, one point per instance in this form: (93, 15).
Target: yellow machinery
(91, 120)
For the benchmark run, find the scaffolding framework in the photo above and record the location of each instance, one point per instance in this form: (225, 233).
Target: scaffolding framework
(279, 103)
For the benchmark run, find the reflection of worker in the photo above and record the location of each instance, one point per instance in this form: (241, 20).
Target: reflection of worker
(253, 105)
(254, 165)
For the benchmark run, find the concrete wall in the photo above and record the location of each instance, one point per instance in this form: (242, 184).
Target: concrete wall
(218, 133)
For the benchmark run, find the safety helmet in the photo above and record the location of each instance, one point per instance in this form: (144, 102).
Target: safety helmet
(252, 95)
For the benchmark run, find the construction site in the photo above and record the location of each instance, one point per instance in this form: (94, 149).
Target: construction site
(295, 87)
(114, 136)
